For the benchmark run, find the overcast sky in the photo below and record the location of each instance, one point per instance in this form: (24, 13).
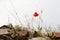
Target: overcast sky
(26, 8)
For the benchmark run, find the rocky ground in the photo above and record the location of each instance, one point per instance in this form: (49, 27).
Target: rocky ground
(38, 38)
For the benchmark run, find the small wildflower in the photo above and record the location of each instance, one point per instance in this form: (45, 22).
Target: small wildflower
(35, 14)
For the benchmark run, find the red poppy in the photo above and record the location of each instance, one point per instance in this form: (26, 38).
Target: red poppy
(35, 14)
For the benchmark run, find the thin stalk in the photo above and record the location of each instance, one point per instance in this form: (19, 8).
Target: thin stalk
(16, 12)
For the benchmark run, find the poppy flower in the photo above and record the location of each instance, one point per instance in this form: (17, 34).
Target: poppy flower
(35, 14)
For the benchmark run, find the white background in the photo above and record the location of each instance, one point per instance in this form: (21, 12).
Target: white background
(26, 8)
